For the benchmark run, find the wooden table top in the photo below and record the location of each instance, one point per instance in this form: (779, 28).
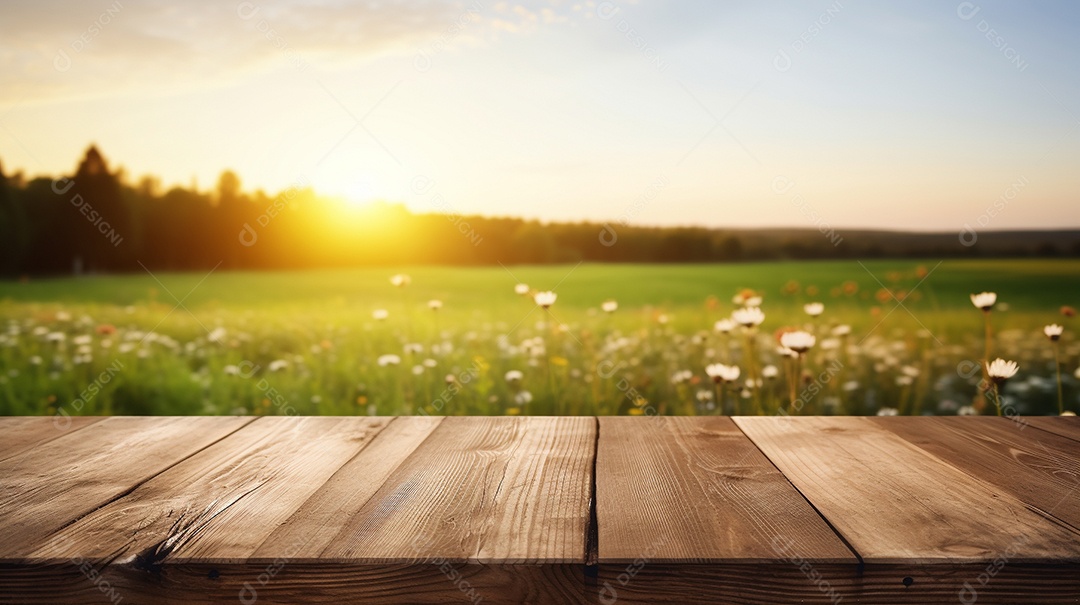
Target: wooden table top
(748, 510)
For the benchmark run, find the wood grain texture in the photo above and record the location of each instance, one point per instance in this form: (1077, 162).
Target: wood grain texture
(896, 503)
(47, 487)
(798, 581)
(698, 490)
(481, 489)
(746, 511)
(21, 433)
(290, 583)
(220, 504)
(1066, 426)
(1039, 468)
(309, 530)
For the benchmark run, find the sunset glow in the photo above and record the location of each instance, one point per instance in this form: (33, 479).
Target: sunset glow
(569, 111)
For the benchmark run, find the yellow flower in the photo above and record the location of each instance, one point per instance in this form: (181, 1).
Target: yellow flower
(560, 361)
(636, 411)
(515, 411)
(481, 364)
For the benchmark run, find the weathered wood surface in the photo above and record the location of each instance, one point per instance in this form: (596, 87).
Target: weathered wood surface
(1068, 426)
(540, 510)
(896, 503)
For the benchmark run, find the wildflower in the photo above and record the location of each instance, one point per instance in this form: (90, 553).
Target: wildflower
(814, 309)
(967, 410)
(277, 365)
(1053, 331)
(770, 371)
(380, 314)
(231, 370)
(1001, 370)
(888, 412)
(724, 326)
(434, 304)
(841, 330)
(747, 298)
(413, 347)
(388, 360)
(748, 317)
(1068, 413)
(704, 395)
(514, 376)
(722, 373)
(545, 299)
(984, 300)
(430, 363)
(82, 340)
(609, 306)
(798, 341)
(217, 335)
(400, 280)
(523, 397)
(681, 376)
(1068, 311)
(521, 289)
(57, 337)
(417, 370)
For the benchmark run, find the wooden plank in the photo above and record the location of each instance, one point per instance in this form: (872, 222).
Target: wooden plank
(482, 489)
(50, 486)
(308, 531)
(830, 584)
(697, 490)
(21, 433)
(1066, 426)
(896, 503)
(676, 584)
(292, 582)
(220, 504)
(1041, 469)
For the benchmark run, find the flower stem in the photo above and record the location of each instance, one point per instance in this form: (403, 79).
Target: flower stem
(997, 399)
(796, 377)
(1057, 368)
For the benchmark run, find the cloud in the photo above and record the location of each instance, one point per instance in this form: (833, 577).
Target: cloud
(53, 49)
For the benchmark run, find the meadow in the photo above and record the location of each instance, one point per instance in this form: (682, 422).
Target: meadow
(894, 337)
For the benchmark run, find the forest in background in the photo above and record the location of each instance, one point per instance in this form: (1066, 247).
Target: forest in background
(95, 221)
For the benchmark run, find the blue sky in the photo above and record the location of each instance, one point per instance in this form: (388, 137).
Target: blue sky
(902, 115)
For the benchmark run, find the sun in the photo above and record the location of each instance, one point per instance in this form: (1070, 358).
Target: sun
(356, 190)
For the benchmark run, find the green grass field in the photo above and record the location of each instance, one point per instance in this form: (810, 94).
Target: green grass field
(307, 342)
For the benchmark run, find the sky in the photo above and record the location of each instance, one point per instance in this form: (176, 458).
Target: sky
(926, 115)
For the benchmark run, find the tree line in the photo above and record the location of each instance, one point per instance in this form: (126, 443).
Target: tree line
(94, 220)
